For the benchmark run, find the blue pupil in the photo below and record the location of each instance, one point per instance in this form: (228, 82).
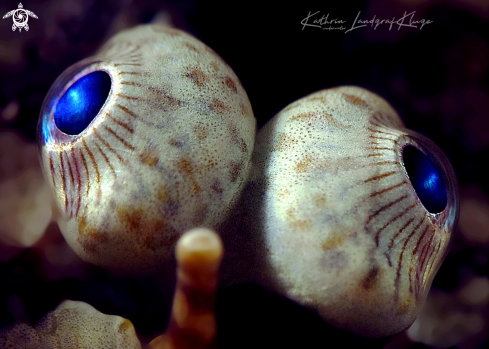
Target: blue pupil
(81, 102)
(426, 179)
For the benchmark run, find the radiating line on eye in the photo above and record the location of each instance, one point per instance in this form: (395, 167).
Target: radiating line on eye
(86, 170)
(126, 144)
(384, 163)
(379, 118)
(393, 219)
(384, 175)
(411, 272)
(77, 171)
(107, 145)
(120, 123)
(434, 260)
(385, 207)
(419, 268)
(73, 189)
(383, 132)
(415, 276)
(377, 154)
(128, 97)
(419, 241)
(64, 179)
(106, 159)
(95, 166)
(382, 148)
(425, 257)
(376, 125)
(391, 244)
(134, 115)
(168, 100)
(130, 73)
(128, 111)
(399, 265)
(388, 189)
(414, 262)
(385, 139)
(51, 166)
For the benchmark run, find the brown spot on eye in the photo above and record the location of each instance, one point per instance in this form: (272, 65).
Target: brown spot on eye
(300, 224)
(244, 109)
(284, 141)
(323, 115)
(196, 188)
(191, 47)
(217, 106)
(371, 278)
(162, 194)
(283, 192)
(197, 76)
(404, 306)
(217, 187)
(235, 170)
(176, 143)
(201, 132)
(334, 241)
(304, 116)
(357, 101)
(231, 84)
(147, 157)
(239, 141)
(297, 224)
(90, 239)
(188, 169)
(131, 219)
(185, 166)
(124, 326)
(142, 228)
(320, 201)
(89, 245)
(318, 98)
(163, 99)
(304, 165)
(210, 163)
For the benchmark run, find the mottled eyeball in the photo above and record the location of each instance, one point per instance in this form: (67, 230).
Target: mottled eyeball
(354, 211)
(151, 136)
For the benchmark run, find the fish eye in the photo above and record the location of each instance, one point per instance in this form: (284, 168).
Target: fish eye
(426, 178)
(81, 102)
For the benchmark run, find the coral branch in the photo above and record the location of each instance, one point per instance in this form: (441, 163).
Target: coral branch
(193, 321)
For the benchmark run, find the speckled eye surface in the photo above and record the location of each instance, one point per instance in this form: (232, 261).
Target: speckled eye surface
(349, 212)
(81, 103)
(425, 178)
(150, 137)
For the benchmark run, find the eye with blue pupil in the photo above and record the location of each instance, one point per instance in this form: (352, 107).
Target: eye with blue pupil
(81, 103)
(426, 179)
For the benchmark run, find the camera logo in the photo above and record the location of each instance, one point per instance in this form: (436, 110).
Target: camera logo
(20, 17)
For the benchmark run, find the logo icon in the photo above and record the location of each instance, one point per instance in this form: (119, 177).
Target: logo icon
(20, 17)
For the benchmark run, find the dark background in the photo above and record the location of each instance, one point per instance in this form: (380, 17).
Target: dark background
(436, 78)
